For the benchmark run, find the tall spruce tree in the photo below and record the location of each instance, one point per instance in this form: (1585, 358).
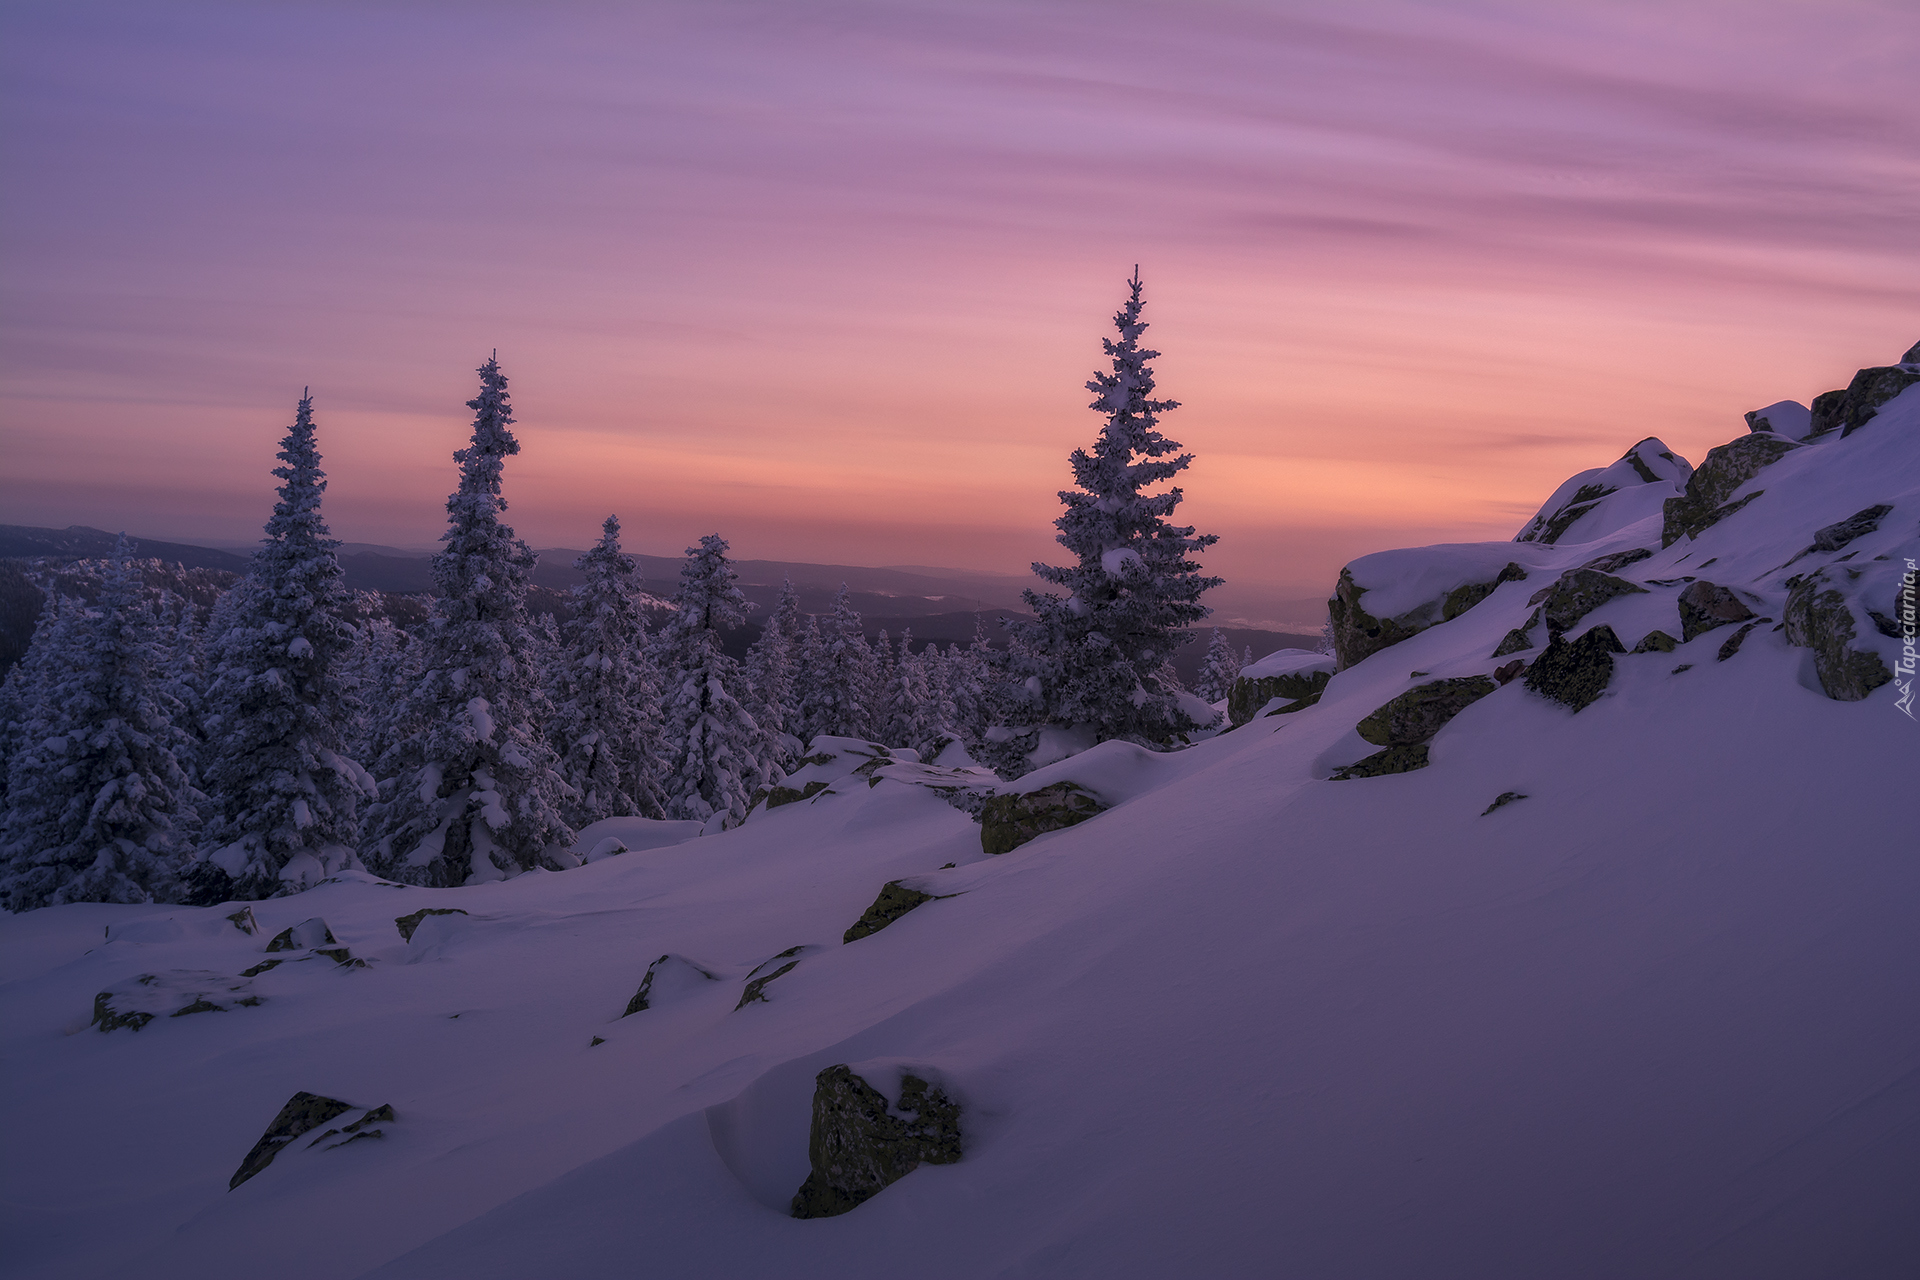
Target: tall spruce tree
(717, 748)
(275, 763)
(606, 724)
(840, 692)
(1219, 670)
(1091, 657)
(476, 795)
(770, 684)
(100, 807)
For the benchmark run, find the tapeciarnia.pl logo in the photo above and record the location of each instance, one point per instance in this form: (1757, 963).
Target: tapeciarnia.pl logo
(1905, 666)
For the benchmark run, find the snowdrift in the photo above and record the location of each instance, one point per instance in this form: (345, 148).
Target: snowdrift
(1605, 971)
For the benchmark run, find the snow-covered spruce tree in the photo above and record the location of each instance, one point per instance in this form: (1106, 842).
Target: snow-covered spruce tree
(100, 808)
(809, 660)
(476, 794)
(384, 659)
(840, 691)
(886, 714)
(1218, 672)
(717, 748)
(769, 676)
(792, 630)
(606, 723)
(1134, 590)
(285, 795)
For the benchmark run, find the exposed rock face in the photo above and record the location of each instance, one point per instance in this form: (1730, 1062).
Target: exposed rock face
(1705, 605)
(1849, 410)
(1463, 598)
(407, 924)
(1517, 640)
(358, 1129)
(1836, 536)
(895, 900)
(303, 1112)
(1725, 469)
(304, 936)
(858, 1146)
(1575, 672)
(1249, 694)
(1357, 634)
(1007, 822)
(1575, 594)
(1416, 715)
(1819, 617)
(668, 970)
(1391, 760)
(777, 796)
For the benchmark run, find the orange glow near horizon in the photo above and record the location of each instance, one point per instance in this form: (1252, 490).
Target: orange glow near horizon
(831, 288)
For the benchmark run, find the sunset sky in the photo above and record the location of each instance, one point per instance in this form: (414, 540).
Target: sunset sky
(828, 277)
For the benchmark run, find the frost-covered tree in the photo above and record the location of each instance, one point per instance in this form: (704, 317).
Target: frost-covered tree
(384, 659)
(809, 659)
(1218, 672)
(476, 794)
(275, 765)
(1092, 655)
(606, 723)
(770, 685)
(840, 690)
(717, 748)
(100, 808)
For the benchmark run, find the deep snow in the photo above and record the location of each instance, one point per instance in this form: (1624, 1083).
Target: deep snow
(1654, 1019)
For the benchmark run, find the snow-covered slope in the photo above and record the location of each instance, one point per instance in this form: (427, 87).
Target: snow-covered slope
(1652, 1015)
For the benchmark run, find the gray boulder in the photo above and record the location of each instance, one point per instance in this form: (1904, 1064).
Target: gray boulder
(1575, 672)
(1836, 536)
(1007, 822)
(858, 1146)
(1705, 605)
(1575, 594)
(1404, 759)
(1419, 713)
(303, 1113)
(1820, 617)
(1848, 410)
(408, 923)
(895, 900)
(1250, 693)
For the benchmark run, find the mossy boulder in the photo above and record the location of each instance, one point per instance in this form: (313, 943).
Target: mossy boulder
(1357, 634)
(1656, 642)
(1819, 617)
(1848, 410)
(304, 1112)
(777, 796)
(1575, 672)
(858, 1144)
(1575, 594)
(1419, 713)
(1250, 693)
(1392, 760)
(1618, 560)
(1705, 605)
(1705, 503)
(1837, 535)
(408, 923)
(1467, 595)
(895, 900)
(1007, 822)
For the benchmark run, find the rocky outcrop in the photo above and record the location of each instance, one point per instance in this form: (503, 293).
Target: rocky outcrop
(1575, 594)
(1836, 536)
(1656, 642)
(1007, 822)
(1649, 462)
(304, 936)
(1705, 605)
(895, 900)
(171, 994)
(1705, 502)
(1575, 672)
(670, 971)
(1848, 410)
(1250, 693)
(1788, 418)
(1548, 528)
(858, 1144)
(303, 1113)
(1419, 713)
(408, 923)
(1819, 617)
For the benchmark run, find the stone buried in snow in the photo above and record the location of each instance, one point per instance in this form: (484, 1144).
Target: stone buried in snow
(858, 1146)
(765, 972)
(1577, 593)
(1836, 536)
(1819, 616)
(174, 993)
(408, 923)
(1705, 502)
(667, 978)
(895, 900)
(1293, 674)
(304, 936)
(1007, 822)
(303, 1113)
(1401, 759)
(1575, 672)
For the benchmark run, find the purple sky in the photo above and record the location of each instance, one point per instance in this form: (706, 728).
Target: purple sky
(827, 278)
